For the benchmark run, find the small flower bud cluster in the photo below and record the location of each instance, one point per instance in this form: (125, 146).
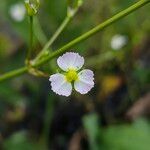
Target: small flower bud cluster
(32, 7)
(73, 5)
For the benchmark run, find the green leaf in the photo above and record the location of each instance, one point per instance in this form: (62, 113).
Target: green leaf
(127, 137)
(90, 123)
(19, 141)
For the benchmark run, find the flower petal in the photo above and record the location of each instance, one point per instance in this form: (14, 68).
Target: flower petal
(60, 85)
(70, 60)
(85, 81)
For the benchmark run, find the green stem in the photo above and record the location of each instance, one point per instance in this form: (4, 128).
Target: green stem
(54, 37)
(31, 40)
(39, 33)
(78, 39)
(47, 118)
(14, 73)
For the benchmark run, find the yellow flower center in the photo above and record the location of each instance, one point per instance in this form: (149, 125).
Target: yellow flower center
(71, 75)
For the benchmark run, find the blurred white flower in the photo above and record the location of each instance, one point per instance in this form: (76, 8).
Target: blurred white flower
(17, 12)
(71, 63)
(118, 41)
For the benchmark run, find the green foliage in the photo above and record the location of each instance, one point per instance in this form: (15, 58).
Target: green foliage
(136, 27)
(10, 95)
(127, 137)
(133, 136)
(90, 123)
(20, 141)
(143, 75)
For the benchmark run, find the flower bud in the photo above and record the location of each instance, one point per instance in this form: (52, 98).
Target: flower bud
(32, 7)
(73, 5)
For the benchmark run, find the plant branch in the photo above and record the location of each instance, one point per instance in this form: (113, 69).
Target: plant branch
(54, 37)
(78, 39)
(13, 74)
(68, 18)
(93, 31)
(38, 31)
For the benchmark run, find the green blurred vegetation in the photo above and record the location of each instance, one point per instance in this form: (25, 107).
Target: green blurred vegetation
(118, 137)
(32, 117)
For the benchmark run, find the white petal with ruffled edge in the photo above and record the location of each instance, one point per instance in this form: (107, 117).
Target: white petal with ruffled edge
(85, 81)
(60, 85)
(70, 60)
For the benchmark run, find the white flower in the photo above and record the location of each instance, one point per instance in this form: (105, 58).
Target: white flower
(17, 12)
(118, 41)
(62, 83)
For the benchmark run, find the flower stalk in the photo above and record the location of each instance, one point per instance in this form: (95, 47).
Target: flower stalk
(46, 49)
(32, 7)
(29, 52)
(71, 11)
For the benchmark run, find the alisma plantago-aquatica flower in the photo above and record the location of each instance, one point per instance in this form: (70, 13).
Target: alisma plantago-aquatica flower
(72, 75)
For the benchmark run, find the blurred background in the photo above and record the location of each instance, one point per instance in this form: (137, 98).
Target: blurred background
(114, 115)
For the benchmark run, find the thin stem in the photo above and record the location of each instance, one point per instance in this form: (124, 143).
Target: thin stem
(48, 117)
(78, 39)
(63, 25)
(31, 39)
(54, 37)
(39, 33)
(14, 73)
